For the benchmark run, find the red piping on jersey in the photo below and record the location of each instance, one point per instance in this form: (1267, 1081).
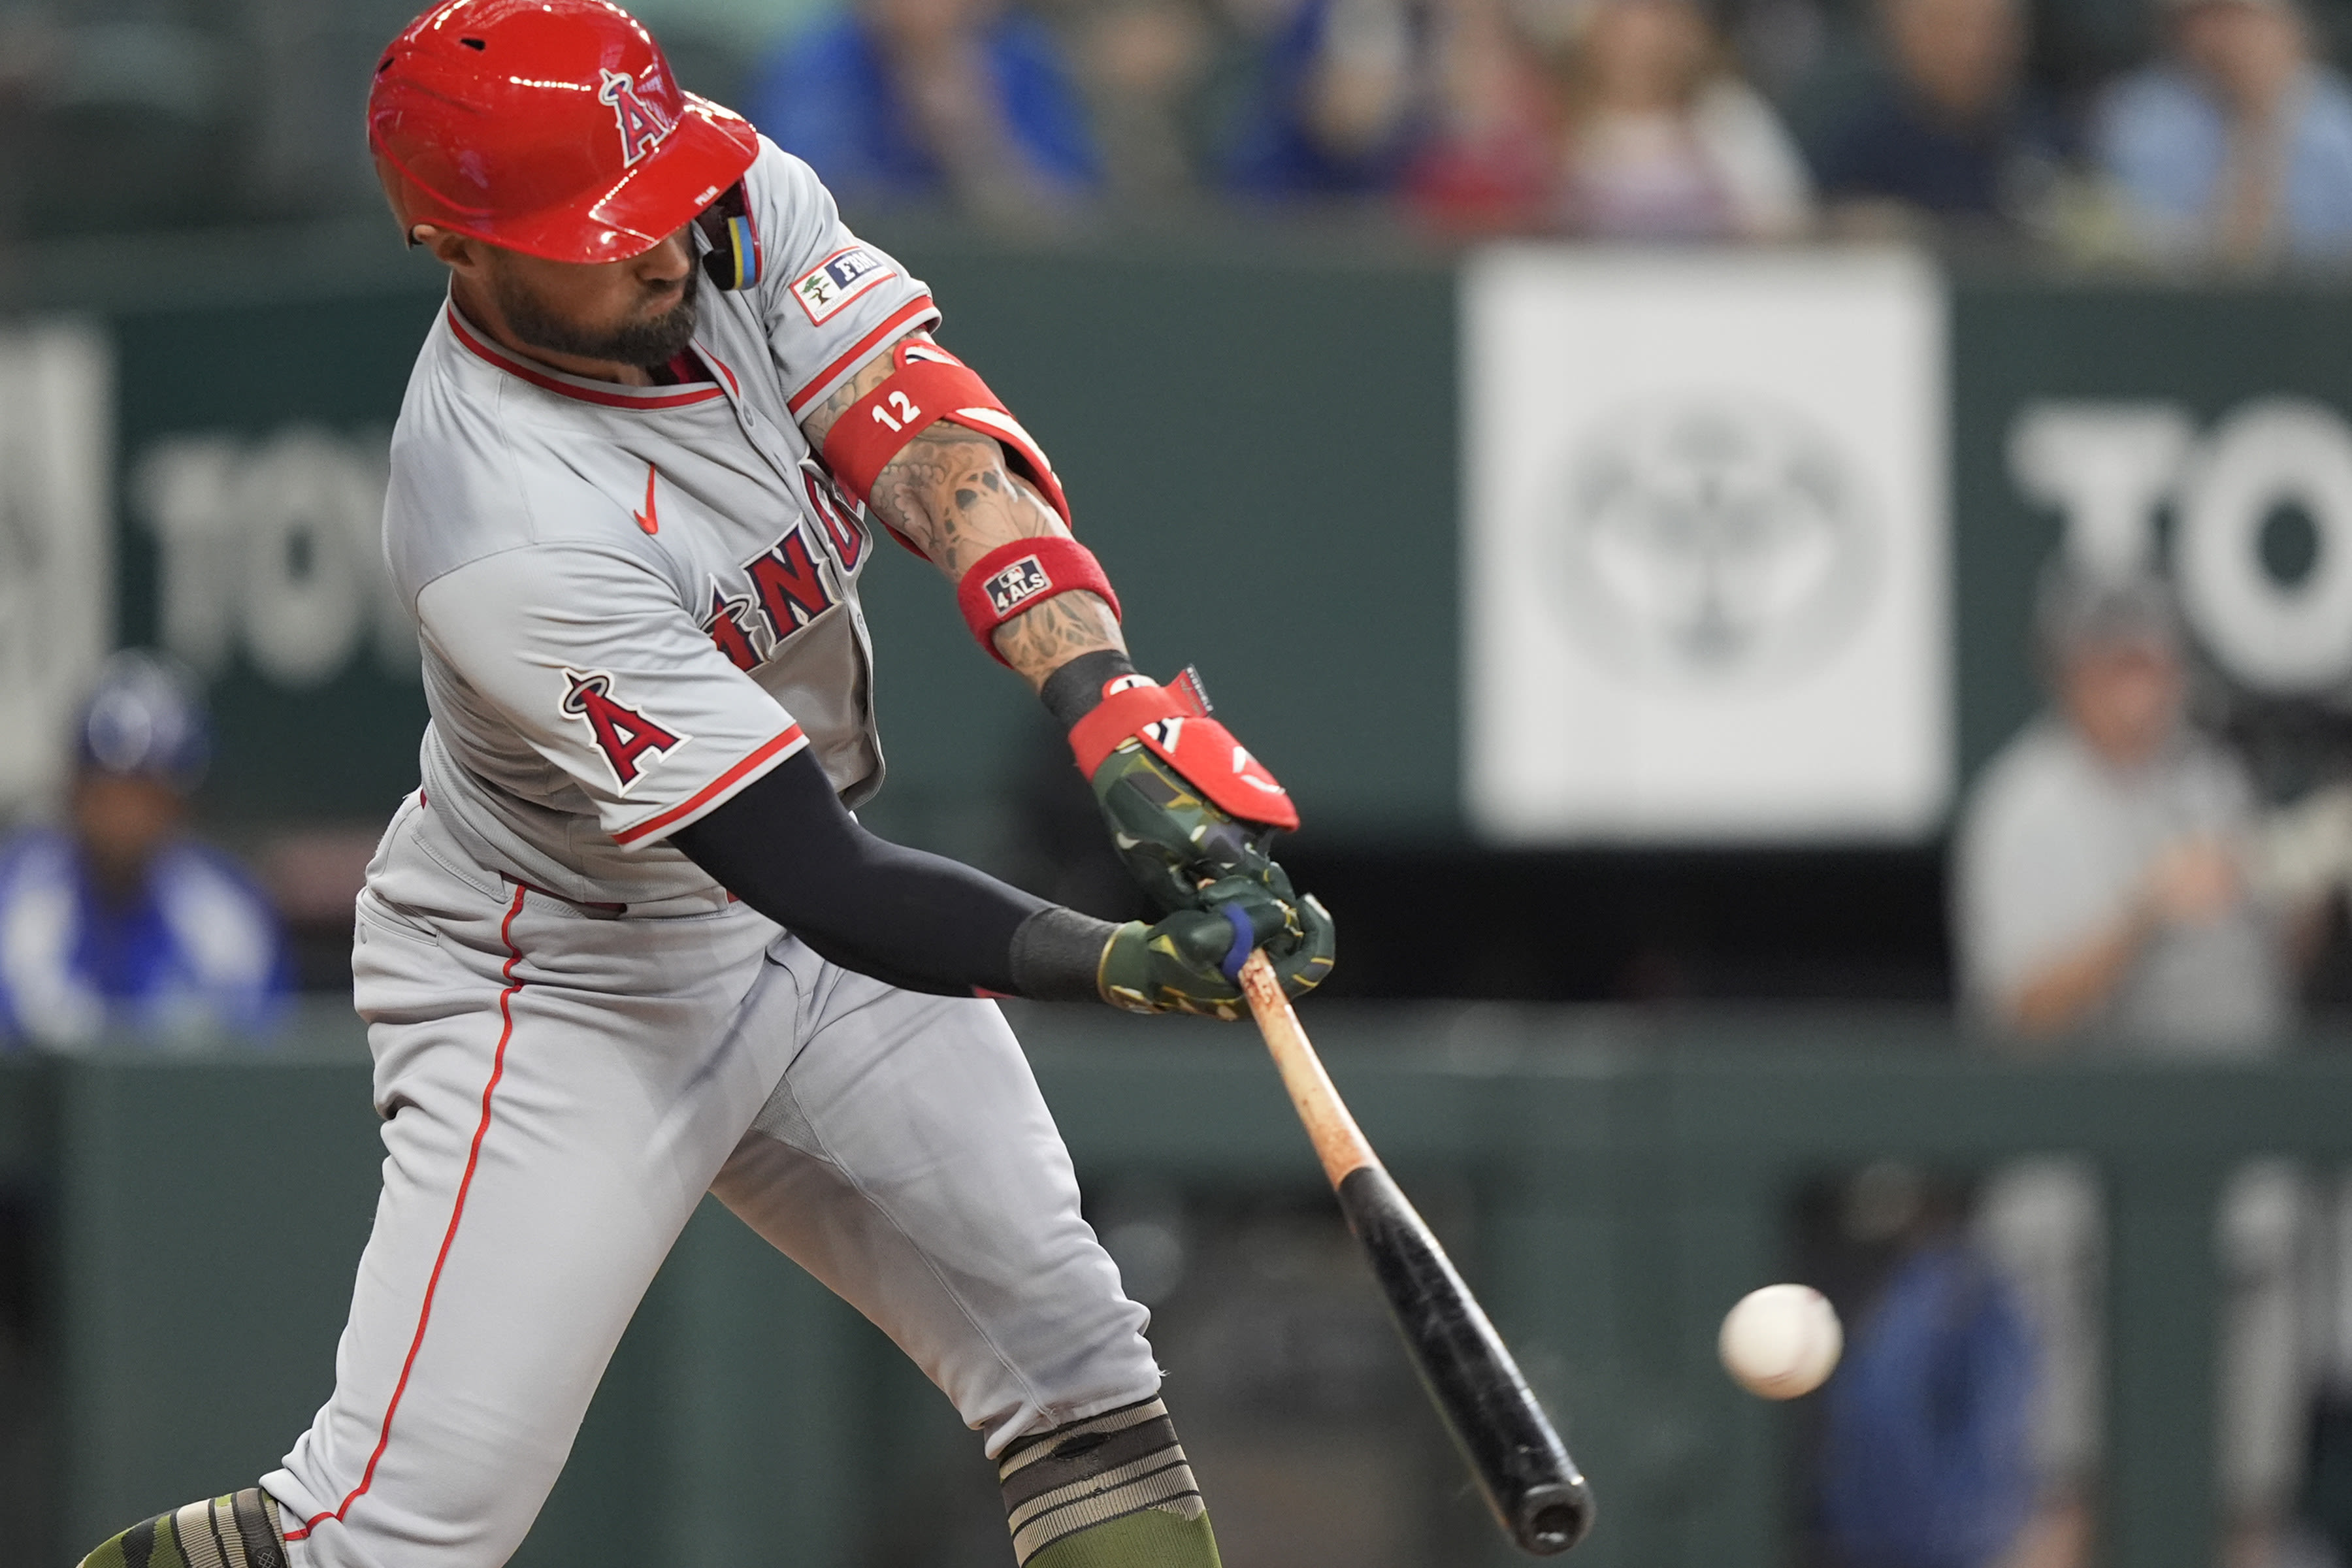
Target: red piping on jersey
(790, 740)
(721, 365)
(457, 1215)
(899, 317)
(615, 399)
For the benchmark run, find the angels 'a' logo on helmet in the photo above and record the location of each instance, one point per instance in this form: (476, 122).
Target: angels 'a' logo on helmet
(642, 124)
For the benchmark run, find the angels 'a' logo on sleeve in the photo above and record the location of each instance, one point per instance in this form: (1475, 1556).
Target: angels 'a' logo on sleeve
(633, 745)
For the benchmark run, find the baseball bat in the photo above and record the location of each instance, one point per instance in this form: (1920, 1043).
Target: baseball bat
(1537, 1494)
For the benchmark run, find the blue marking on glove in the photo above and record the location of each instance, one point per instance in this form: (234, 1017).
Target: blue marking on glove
(1245, 939)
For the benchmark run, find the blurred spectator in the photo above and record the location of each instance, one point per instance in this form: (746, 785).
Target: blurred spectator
(2098, 875)
(2103, 891)
(1924, 1448)
(1344, 103)
(932, 101)
(1493, 157)
(1664, 141)
(1642, 132)
(121, 922)
(1142, 59)
(1949, 130)
(2238, 148)
(713, 46)
(1167, 81)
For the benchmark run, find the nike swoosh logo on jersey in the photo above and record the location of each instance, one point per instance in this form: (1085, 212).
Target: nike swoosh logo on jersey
(649, 520)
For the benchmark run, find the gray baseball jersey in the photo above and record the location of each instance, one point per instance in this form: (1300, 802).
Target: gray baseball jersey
(635, 600)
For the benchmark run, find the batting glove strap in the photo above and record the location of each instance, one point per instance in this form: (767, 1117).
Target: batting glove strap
(1013, 579)
(1194, 747)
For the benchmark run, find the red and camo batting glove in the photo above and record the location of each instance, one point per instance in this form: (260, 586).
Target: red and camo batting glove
(1186, 802)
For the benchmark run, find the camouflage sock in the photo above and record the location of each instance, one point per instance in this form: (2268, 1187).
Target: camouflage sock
(1111, 1492)
(240, 1530)
(1154, 1538)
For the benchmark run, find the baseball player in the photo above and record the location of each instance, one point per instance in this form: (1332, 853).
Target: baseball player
(627, 944)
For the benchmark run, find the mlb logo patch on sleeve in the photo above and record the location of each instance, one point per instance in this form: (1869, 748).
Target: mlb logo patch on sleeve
(840, 277)
(1016, 585)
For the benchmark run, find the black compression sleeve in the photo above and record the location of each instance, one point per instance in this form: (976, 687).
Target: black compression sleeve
(788, 848)
(1074, 690)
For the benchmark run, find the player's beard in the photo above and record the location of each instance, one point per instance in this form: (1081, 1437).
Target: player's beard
(653, 342)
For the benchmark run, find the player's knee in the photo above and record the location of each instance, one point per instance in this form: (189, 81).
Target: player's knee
(242, 1527)
(1114, 1490)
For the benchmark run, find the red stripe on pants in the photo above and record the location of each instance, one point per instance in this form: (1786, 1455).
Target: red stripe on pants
(456, 1215)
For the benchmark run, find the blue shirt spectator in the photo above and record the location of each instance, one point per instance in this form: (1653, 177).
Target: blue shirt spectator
(194, 949)
(949, 103)
(2170, 137)
(121, 924)
(1344, 103)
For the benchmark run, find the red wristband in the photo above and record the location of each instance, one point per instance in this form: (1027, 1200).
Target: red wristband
(930, 385)
(1201, 751)
(1014, 578)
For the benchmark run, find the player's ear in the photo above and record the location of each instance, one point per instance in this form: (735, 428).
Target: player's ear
(455, 251)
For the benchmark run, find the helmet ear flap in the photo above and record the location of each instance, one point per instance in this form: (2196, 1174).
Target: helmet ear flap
(732, 257)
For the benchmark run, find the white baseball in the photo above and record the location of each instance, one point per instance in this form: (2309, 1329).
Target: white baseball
(1781, 1341)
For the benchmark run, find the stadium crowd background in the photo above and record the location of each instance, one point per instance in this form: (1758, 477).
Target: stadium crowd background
(2096, 133)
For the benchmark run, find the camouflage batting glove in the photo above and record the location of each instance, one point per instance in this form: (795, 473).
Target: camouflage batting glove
(1190, 962)
(1186, 803)
(1171, 838)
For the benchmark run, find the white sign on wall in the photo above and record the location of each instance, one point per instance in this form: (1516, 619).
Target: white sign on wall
(56, 545)
(1706, 569)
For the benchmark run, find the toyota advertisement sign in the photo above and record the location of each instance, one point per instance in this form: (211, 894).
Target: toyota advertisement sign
(1705, 563)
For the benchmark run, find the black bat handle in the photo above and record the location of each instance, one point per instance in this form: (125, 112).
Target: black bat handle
(1534, 1488)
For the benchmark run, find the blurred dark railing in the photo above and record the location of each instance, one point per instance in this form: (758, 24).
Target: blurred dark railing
(1621, 1180)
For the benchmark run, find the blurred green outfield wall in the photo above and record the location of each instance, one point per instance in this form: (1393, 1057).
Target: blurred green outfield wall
(1627, 1177)
(1262, 447)
(1261, 454)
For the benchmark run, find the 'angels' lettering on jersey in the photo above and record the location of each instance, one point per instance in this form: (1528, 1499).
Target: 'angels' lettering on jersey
(840, 277)
(791, 590)
(833, 510)
(624, 735)
(788, 589)
(731, 629)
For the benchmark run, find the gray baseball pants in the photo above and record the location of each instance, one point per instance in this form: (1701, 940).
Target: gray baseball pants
(560, 1087)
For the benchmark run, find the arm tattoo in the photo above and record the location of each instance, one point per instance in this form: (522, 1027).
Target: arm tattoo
(950, 493)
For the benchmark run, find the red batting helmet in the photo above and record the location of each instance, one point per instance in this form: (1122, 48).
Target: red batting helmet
(552, 127)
